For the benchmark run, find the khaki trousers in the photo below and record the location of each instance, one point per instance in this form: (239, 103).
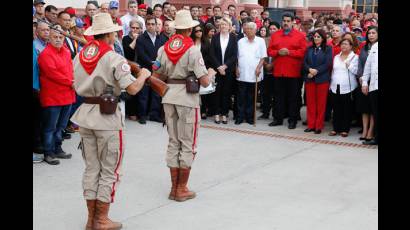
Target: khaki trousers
(102, 153)
(182, 124)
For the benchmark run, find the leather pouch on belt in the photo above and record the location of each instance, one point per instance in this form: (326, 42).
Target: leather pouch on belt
(108, 104)
(192, 84)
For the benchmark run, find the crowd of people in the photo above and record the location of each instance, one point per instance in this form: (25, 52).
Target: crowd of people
(333, 57)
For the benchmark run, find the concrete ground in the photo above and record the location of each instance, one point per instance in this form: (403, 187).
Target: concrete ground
(259, 178)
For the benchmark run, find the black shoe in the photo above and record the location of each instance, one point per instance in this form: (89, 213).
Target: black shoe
(203, 116)
(67, 130)
(156, 119)
(142, 121)
(304, 123)
(318, 131)
(238, 122)
(63, 155)
(370, 142)
(250, 122)
(263, 117)
(66, 136)
(276, 123)
(309, 130)
(363, 139)
(51, 160)
(225, 122)
(292, 125)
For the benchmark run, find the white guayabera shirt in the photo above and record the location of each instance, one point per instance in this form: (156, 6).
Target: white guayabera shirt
(249, 56)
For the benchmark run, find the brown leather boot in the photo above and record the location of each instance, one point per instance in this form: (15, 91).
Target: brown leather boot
(101, 220)
(183, 192)
(174, 180)
(91, 212)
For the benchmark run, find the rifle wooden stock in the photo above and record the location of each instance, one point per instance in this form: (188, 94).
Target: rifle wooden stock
(156, 84)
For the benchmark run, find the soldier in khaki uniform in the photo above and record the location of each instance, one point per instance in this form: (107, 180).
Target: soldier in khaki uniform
(177, 59)
(96, 68)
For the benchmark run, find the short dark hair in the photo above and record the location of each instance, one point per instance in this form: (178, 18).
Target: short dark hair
(243, 11)
(193, 7)
(217, 6)
(165, 3)
(232, 6)
(275, 24)
(288, 15)
(61, 13)
(150, 17)
(313, 12)
(149, 11)
(157, 5)
(100, 36)
(49, 8)
(208, 8)
(218, 17)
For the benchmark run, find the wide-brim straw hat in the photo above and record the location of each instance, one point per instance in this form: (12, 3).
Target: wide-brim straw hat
(183, 20)
(102, 24)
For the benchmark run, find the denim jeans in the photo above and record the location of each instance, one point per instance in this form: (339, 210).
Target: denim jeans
(55, 119)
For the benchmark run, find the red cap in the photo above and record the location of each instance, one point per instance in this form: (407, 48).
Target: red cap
(70, 11)
(142, 6)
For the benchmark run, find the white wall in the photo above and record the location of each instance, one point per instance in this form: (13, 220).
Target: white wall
(72, 3)
(328, 3)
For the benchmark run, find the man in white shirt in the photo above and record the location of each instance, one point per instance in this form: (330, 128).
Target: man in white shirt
(251, 54)
(132, 13)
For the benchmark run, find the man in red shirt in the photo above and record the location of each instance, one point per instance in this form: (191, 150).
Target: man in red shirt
(254, 16)
(56, 95)
(334, 42)
(209, 14)
(287, 47)
(91, 9)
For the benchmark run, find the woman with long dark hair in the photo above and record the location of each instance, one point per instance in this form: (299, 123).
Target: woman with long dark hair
(316, 68)
(209, 31)
(203, 44)
(363, 101)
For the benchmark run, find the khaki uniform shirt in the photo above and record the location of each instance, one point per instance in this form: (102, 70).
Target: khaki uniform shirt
(112, 69)
(191, 61)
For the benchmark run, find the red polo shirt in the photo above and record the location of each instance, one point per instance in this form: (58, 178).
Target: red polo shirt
(289, 65)
(335, 48)
(56, 77)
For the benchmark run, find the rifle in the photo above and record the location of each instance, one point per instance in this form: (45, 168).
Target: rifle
(74, 37)
(156, 84)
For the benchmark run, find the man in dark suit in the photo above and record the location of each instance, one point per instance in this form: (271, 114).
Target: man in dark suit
(224, 57)
(149, 102)
(64, 20)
